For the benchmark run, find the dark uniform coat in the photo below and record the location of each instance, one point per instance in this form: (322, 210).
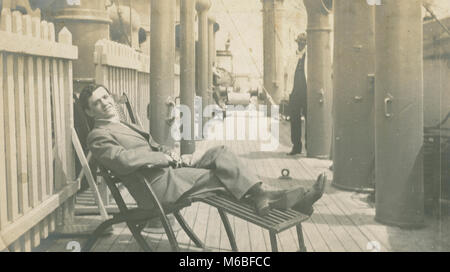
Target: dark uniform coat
(297, 98)
(298, 104)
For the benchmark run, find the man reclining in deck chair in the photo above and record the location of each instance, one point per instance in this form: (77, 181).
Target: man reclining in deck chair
(124, 149)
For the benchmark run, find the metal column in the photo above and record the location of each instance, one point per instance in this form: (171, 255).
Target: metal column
(202, 7)
(273, 27)
(187, 68)
(162, 72)
(399, 113)
(353, 95)
(88, 17)
(211, 54)
(318, 125)
(211, 49)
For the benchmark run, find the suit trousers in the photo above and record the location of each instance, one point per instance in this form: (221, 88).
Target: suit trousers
(296, 133)
(218, 170)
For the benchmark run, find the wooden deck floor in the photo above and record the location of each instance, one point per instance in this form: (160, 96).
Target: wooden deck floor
(343, 221)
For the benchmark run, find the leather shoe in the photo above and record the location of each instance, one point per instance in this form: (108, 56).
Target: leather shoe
(305, 204)
(294, 152)
(283, 200)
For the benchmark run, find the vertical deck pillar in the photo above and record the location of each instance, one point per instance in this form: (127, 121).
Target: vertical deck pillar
(202, 7)
(273, 34)
(211, 53)
(87, 17)
(318, 125)
(399, 113)
(353, 95)
(187, 68)
(162, 72)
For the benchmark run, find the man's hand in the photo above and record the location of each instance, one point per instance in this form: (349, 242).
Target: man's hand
(169, 158)
(186, 160)
(172, 162)
(174, 155)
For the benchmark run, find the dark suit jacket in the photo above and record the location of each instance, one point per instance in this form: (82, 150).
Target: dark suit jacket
(124, 148)
(297, 98)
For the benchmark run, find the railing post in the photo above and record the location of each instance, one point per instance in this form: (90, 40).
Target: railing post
(101, 72)
(10, 125)
(66, 72)
(3, 174)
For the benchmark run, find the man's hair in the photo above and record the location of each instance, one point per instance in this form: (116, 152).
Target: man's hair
(87, 92)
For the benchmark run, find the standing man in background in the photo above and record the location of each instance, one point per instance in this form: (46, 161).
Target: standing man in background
(297, 99)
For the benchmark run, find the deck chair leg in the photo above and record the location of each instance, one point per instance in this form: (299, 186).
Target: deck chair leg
(97, 233)
(188, 230)
(273, 241)
(138, 237)
(226, 224)
(170, 235)
(301, 240)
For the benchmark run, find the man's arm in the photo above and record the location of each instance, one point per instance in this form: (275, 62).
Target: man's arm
(122, 161)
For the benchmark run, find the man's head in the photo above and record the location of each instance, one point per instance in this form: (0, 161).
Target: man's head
(301, 41)
(97, 102)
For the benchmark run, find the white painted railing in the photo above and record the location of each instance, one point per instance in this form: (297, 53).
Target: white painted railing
(36, 120)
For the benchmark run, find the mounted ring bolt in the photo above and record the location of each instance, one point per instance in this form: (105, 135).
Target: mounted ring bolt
(285, 174)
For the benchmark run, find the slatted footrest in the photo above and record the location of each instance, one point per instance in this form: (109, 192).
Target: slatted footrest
(276, 221)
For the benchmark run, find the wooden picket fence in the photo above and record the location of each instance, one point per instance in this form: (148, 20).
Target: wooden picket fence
(36, 119)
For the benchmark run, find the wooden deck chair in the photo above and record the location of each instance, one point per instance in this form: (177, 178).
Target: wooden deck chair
(80, 131)
(136, 218)
(89, 170)
(275, 222)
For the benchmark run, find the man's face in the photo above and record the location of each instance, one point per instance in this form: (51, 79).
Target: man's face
(101, 105)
